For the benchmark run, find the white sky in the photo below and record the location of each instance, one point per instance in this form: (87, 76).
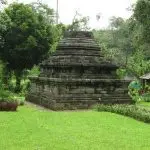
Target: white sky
(91, 8)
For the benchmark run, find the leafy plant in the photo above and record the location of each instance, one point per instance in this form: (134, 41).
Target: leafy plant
(8, 96)
(146, 97)
(27, 39)
(4, 95)
(133, 111)
(121, 73)
(134, 91)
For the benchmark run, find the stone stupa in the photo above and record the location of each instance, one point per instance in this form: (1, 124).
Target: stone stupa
(77, 76)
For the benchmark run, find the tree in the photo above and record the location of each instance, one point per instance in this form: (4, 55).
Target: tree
(116, 40)
(79, 23)
(5, 24)
(27, 40)
(129, 40)
(137, 64)
(142, 15)
(141, 18)
(116, 22)
(3, 2)
(44, 10)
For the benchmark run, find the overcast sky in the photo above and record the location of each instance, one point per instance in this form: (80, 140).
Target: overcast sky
(91, 8)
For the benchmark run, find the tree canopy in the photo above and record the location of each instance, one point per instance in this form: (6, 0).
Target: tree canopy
(26, 36)
(128, 40)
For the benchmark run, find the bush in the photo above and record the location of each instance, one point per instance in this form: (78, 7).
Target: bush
(4, 95)
(19, 99)
(133, 111)
(25, 85)
(8, 100)
(121, 73)
(7, 103)
(134, 91)
(7, 96)
(146, 97)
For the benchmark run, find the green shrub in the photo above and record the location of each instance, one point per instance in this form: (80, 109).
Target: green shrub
(25, 85)
(19, 99)
(121, 73)
(7, 96)
(134, 91)
(35, 71)
(4, 94)
(133, 111)
(146, 97)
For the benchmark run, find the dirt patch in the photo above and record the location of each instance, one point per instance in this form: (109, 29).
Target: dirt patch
(29, 104)
(41, 108)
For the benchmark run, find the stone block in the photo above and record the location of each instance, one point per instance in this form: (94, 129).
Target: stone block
(33, 88)
(89, 90)
(46, 88)
(77, 91)
(103, 92)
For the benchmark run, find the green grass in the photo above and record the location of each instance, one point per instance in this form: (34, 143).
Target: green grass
(144, 104)
(33, 129)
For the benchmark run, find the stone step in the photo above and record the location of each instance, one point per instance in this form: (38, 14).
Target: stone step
(116, 95)
(76, 101)
(77, 40)
(78, 47)
(76, 98)
(78, 44)
(75, 64)
(92, 100)
(84, 95)
(115, 98)
(79, 34)
(120, 101)
(91, 96)
(69, 99)
(70, 76)
(65, 53)
(64, 57)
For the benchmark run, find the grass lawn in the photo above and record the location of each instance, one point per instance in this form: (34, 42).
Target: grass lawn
(144, 104)
(34, 129)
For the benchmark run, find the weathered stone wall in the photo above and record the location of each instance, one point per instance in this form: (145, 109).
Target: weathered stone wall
(79, 72)
(72, 94)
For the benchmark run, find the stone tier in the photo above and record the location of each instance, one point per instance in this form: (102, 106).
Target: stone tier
(78, 57)
(58, 93)
(102, 71)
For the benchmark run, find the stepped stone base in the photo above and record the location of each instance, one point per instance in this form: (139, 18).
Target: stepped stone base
(58, 94)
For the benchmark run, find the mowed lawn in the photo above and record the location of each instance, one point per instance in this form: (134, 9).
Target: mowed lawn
(33, 129)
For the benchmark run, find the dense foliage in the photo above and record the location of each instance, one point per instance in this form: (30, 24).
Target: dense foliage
(26, 37)
(127, 110)
(79, 23)
(142, 15)
(129, 40)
